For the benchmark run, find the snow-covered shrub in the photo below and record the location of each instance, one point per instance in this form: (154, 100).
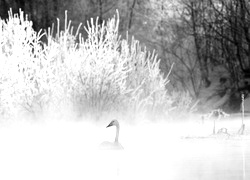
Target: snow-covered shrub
(61, 55)
(101, 73)
(117, 75)
(21, 55)
(182, 105)
(146, 82)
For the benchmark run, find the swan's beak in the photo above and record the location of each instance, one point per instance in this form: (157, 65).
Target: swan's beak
(110, 124)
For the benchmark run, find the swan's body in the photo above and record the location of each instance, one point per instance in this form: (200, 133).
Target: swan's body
(113, 145)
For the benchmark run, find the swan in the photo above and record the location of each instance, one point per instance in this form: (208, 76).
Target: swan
(113, 145)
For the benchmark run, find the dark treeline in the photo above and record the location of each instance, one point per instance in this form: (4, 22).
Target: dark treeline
(221, 32)
(42, 13)
(207, 40)
(45, 12)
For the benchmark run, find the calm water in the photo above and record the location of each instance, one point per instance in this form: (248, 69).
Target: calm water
(186, 159)
(70, 151)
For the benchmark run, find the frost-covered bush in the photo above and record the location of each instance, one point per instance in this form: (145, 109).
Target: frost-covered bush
(21, 55)
(101, 73)
(116, 74)
(182, 105)
(147, 84)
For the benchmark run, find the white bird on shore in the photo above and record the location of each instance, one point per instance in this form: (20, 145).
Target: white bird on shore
(113, 145)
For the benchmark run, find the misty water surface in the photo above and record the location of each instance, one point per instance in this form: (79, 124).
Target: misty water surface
(69, 150)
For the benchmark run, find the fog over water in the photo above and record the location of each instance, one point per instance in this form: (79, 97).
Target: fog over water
(70, 150)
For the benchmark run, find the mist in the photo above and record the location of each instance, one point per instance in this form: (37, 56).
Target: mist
(69, 149)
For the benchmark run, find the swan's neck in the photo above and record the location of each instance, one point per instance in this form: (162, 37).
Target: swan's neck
(117, 133)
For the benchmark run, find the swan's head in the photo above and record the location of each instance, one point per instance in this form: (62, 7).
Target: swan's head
(113, 123)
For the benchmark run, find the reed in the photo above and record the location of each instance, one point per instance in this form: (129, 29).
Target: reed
(242, 128)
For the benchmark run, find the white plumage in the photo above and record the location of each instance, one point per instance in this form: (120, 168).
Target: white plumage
(113, 145)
